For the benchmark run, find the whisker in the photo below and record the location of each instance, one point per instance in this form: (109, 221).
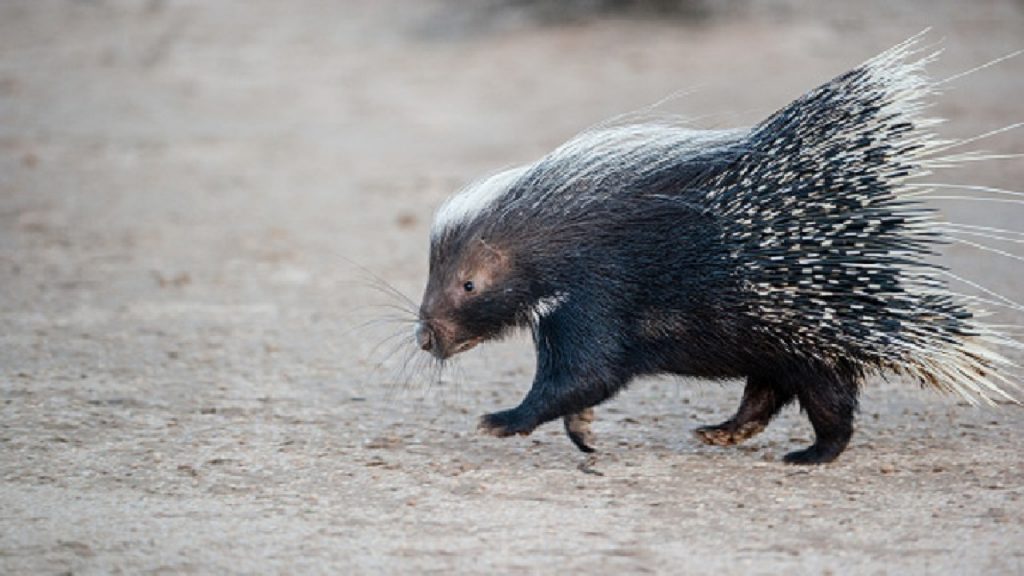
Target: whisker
(459, 378)
(396, 308)
(408, 371)
(396, 333)
(436, 369)
(394, 347)
(374, 322)
(394, 298)
(386, 286)
(391, 300)
(394, 315)
(439, 371)
(376, 279)
(388, 289)
(422, 368)
(397, 380)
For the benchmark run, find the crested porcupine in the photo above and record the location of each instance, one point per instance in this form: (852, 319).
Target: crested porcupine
(794, 254)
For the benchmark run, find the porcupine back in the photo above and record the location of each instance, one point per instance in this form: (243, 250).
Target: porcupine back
(825, 236)
(828, 240)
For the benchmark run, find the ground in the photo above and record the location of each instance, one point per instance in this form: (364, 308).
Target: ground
(189, 382)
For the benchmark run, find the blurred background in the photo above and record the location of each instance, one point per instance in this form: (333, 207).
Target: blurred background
(185, 187)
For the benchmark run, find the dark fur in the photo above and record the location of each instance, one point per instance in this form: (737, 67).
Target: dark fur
(655, 271)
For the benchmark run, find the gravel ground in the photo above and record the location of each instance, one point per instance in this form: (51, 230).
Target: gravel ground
(189, 384)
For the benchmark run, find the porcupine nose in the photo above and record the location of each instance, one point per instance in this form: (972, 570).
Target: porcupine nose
(424, 337)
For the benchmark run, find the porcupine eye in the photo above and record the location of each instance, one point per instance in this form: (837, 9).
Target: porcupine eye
(468, 286)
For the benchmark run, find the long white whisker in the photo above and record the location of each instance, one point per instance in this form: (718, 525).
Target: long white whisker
(395, 346)
(400, 379)
(373, 278)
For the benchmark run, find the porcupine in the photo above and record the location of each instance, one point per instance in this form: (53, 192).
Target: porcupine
(792, 254)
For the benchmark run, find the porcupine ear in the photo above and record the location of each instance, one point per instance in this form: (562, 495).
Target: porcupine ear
(826, 224)
(494, 256)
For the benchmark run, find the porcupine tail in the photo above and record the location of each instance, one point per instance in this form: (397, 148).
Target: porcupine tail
(829, 234)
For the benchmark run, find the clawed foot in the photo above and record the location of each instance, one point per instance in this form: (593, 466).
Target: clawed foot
(577, 426)
(727, 433)
(815, 454)
(506, 423)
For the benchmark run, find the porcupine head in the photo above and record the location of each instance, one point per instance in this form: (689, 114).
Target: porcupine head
(480, 284)
(794, 253)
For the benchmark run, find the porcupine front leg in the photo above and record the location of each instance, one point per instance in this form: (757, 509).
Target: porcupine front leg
(571, 379)
(547, 400)
(579, 366)
(763, 397)
(577, 427)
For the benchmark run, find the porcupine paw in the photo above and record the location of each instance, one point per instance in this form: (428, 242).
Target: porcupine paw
(506, 423)
(727, 433)
(815, 454)
(577, 427)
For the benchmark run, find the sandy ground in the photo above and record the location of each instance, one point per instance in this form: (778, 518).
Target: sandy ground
(187, 385)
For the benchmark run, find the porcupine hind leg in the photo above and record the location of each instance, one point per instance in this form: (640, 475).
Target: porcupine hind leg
(830, 400)
(763, 397)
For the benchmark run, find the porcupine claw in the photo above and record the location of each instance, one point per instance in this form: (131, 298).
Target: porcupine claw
(506, 423)
(577, 426)
(728, 433)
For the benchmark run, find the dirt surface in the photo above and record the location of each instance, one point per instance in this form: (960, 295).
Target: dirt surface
(187, 383)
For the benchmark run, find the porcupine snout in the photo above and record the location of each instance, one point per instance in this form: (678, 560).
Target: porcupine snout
(425, 338)
(434, 336)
